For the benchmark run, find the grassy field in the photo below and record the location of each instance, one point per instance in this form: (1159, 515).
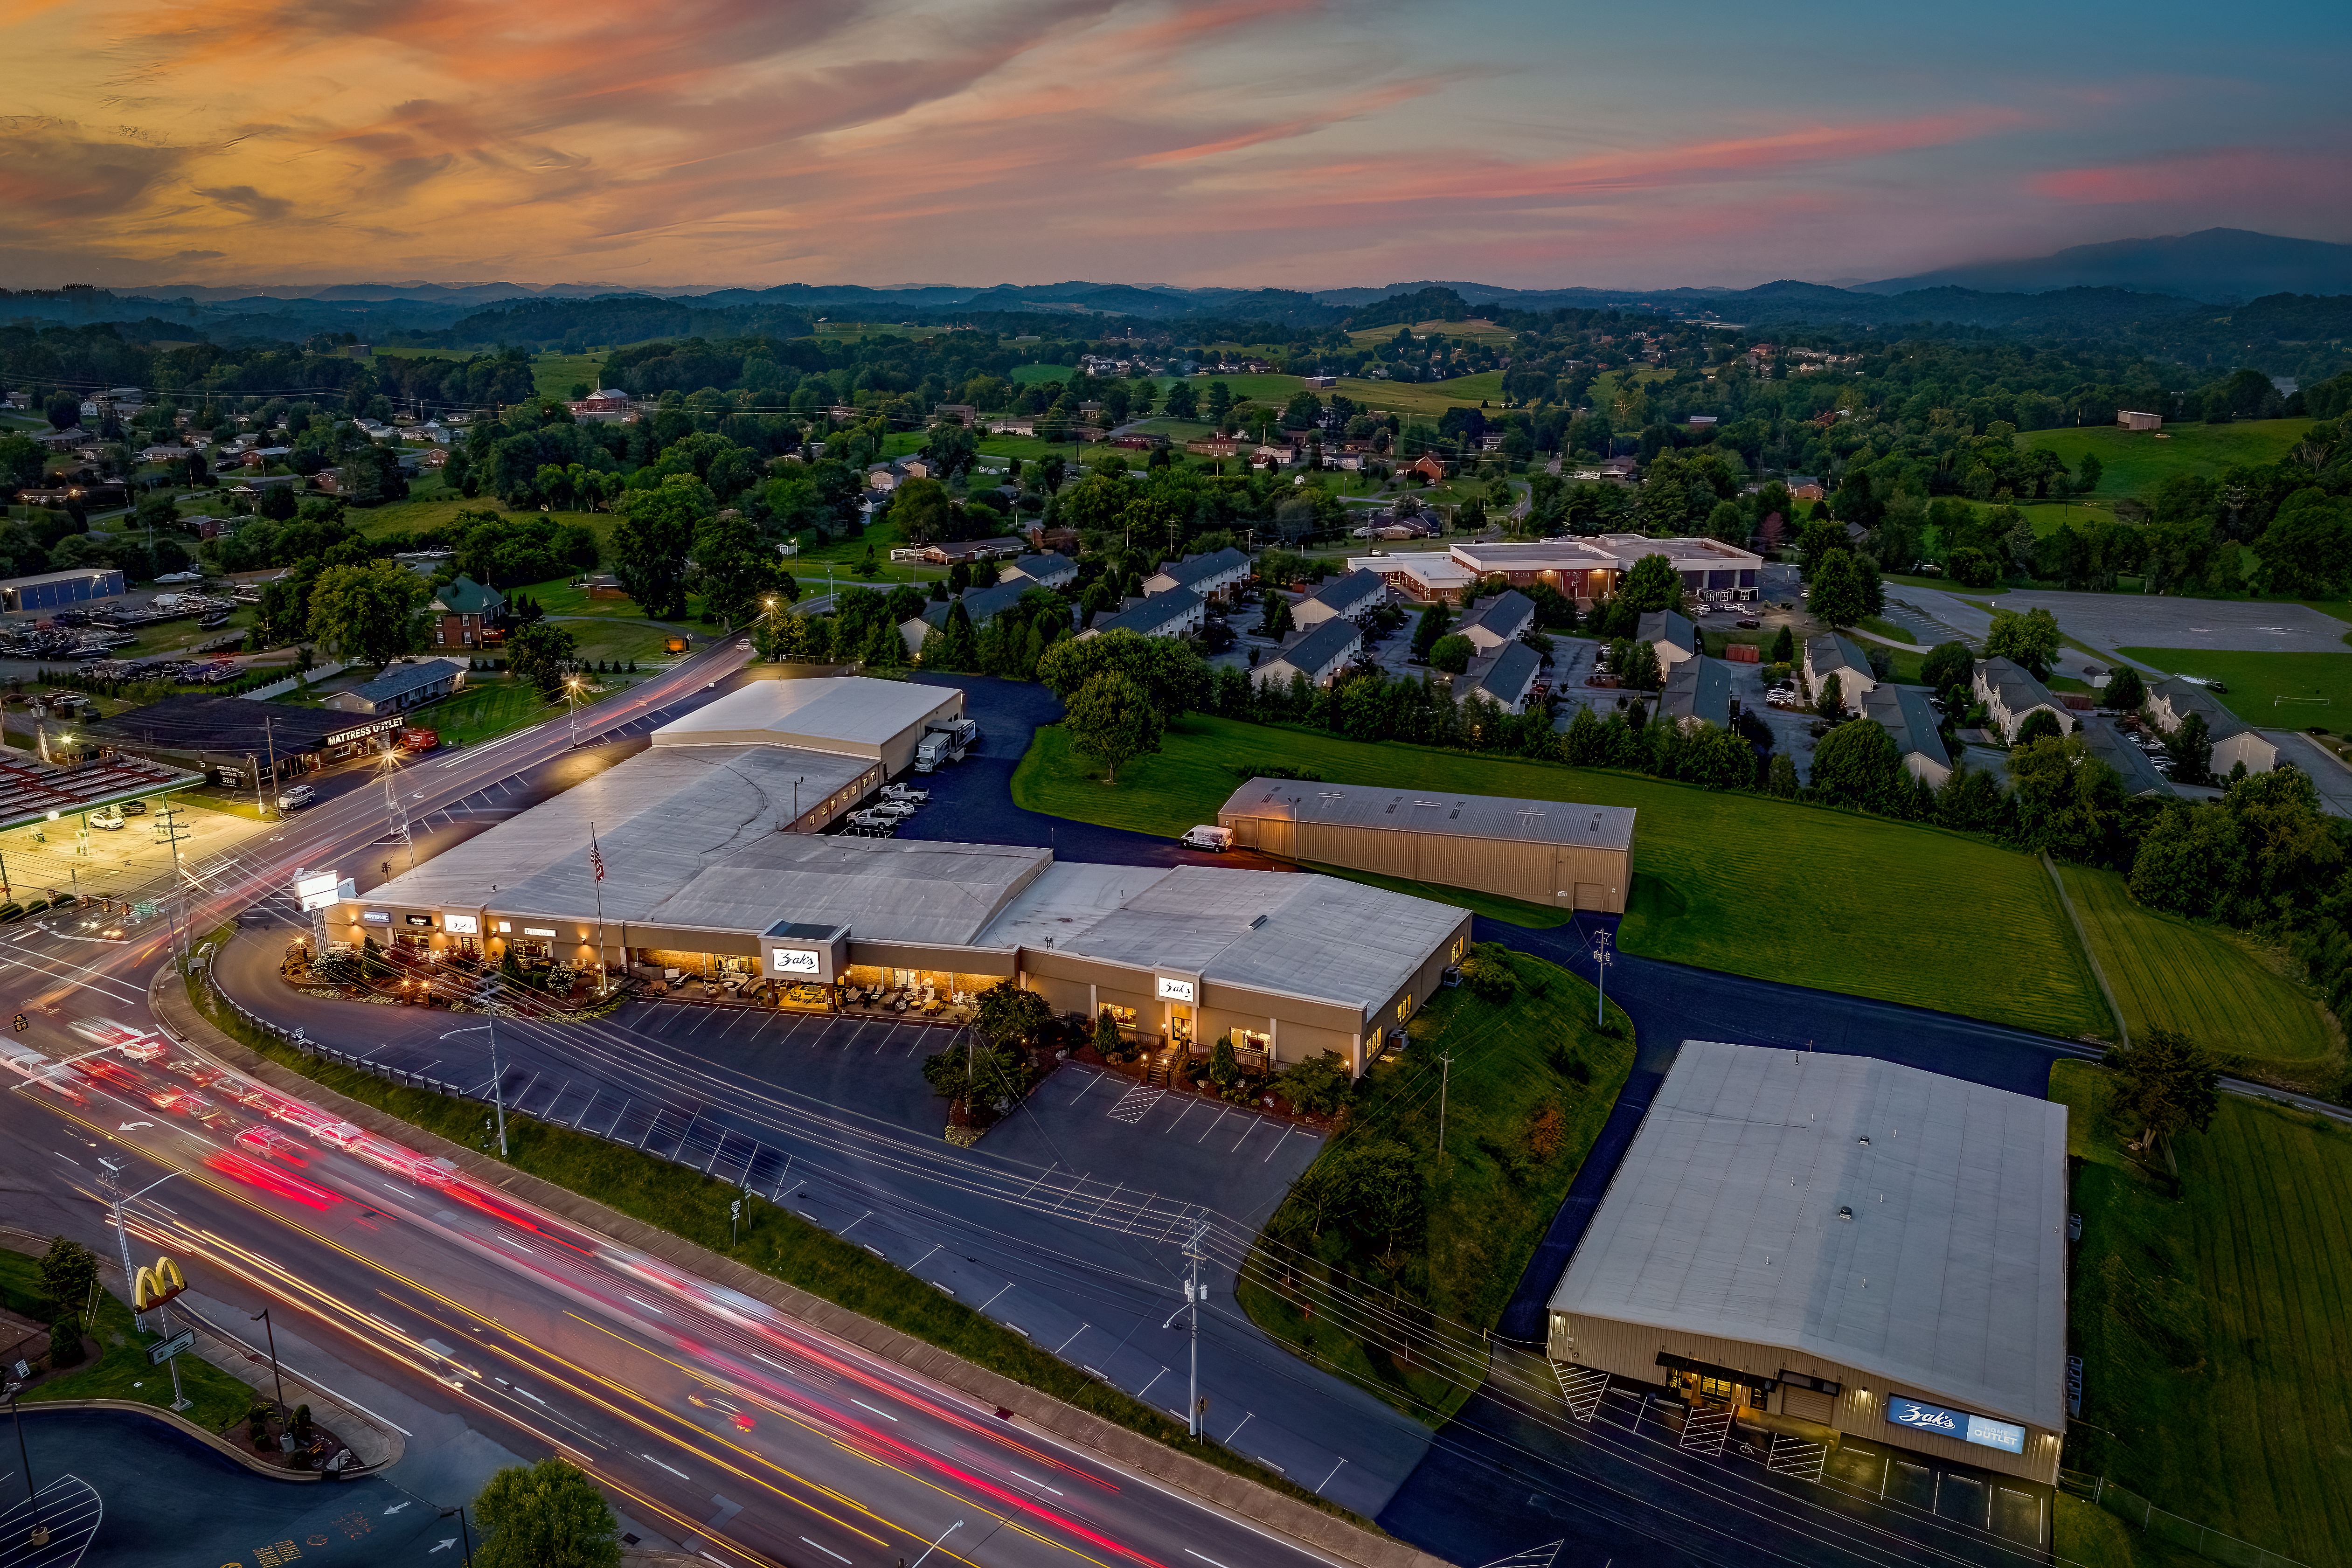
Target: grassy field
(1515, 912)
(2274, 691)
(1488, 1203)
(2210, 1320)
(2136, 460)
(121, 1370)
(486, 711)
(1457, 331)
(1735, 882)
(1427, 399)
(2200, 980)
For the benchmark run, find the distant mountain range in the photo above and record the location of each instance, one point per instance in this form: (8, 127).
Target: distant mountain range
(2148, 296)
(2215, 266)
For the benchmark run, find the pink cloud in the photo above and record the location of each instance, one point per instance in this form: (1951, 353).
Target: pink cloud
(2228, 174)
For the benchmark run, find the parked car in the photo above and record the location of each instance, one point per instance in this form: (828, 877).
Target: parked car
(108, 818)
(872, 819)
(132, 808)
(296, 796)
(896, 810)
(1219, 839)
(907, 793)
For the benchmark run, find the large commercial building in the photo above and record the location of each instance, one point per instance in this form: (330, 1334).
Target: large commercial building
(1808, 1241)
(702, 877)
(1583, 567)
(852, 718)
(1542, 851)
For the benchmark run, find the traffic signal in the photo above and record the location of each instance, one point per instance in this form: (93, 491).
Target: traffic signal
(20, 1024)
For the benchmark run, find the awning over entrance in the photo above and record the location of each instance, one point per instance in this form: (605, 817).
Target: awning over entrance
(1755, 1380)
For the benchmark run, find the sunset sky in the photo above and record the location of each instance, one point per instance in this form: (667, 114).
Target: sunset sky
(1249, 143)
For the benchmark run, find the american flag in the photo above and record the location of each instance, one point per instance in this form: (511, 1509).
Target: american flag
(596, 861)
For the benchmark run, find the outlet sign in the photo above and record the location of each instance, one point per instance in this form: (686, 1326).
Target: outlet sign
(462, 925)
(1173, 990)
(795, 960)
(1981, 1430)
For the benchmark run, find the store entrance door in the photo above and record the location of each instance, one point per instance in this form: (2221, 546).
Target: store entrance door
(1180, 1024)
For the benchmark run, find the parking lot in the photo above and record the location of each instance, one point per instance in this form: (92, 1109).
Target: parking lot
(1067, 1222)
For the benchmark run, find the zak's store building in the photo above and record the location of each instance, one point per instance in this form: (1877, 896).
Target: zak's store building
(1799, 1242)
(702, 877)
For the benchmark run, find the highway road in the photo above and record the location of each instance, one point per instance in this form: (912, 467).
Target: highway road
(712, 1415)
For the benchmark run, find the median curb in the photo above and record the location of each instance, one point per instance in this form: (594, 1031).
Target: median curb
(1230, 1493)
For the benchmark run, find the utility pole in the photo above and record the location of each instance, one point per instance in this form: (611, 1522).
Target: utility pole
(269, 734)
(171, 816)
(262, 1317)
(1444, 1085)
(1601, 959)
(497, 1094)
(1195, 1292)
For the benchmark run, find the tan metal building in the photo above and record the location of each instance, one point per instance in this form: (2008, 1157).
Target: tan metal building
(1797, 1241)
(845, 715)
(1542, 851)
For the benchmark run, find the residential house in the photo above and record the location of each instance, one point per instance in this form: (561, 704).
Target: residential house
(1807, 487)
(1671, 634)
(1903, 712)
(2009, 694)
(1178, 611)
(981, 604)
(1347, 598)
(1834, 654)
(401, 687)
(2171, 703)
(1213, 576)
(947, 552)
(964, 414)
(1048, 571)
(1698, 691)
(605, 586)
(1319, 654)
(1506, 677)
(464, 614)
(1507, 617)
(1429, 466)
(60, 440)
(605, 400)
(2134, 766)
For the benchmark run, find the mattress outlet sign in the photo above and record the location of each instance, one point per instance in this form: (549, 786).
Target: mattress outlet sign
(1981, 1430)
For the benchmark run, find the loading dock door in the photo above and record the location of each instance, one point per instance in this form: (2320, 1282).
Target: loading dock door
(1591, 896)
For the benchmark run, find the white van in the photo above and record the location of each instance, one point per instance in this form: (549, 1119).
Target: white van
(1217, 838)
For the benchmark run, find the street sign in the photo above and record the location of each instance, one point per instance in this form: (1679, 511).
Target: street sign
(163, 1351)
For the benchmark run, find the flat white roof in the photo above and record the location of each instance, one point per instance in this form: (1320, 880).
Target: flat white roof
(856, 709)
(1299, 935)
(1949, 1281)
(1423, 811)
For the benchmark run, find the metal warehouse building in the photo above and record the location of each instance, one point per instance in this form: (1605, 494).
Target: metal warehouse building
(1817, 1244)
(1543, 851)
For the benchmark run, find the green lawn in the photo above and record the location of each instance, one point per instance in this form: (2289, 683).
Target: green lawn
(1888, 629)
(1736, 882)
(2274, 691)
(2136, 461)
(2200, 980)
(486, 710)
(2211, 1321)
(1494, 906)
(121, 1370)
(1489, 1201)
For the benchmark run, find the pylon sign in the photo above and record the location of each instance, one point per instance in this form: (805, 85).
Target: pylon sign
(154, 1286)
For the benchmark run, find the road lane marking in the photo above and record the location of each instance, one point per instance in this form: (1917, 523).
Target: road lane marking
(828, 1551)
(673, 1469)
(884, 1414)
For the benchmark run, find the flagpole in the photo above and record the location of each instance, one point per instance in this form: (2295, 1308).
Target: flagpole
(596, 861)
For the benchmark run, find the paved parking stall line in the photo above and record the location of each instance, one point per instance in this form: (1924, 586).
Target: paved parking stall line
(1222, 1112)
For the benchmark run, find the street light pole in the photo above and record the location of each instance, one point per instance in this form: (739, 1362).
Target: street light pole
(1601, 960)
(262, 1317)
(39, 1534)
